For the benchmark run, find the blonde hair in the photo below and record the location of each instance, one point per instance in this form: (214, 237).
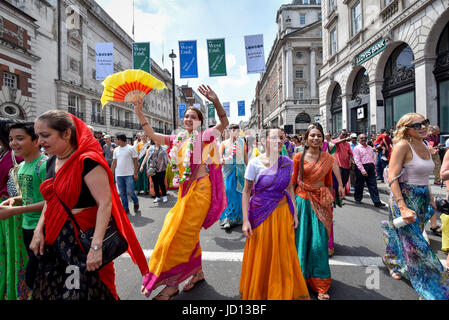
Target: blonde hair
(401, 127)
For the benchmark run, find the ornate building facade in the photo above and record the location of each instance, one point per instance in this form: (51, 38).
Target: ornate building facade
(287, 93)
(60, 65)
(383, 59)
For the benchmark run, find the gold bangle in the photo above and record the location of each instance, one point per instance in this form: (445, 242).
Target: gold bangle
(145, 124)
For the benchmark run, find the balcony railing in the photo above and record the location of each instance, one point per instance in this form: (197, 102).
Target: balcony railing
(390, 9)
(77, 114)
(125, 124)
(98, 119)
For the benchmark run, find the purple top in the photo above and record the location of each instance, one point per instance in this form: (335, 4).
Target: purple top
(6, 164)
(269, 191)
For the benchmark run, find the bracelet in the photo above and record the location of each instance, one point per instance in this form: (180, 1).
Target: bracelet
(145, 124)
(399, 199)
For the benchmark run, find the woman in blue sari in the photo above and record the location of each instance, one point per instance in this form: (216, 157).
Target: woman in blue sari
(234, 154)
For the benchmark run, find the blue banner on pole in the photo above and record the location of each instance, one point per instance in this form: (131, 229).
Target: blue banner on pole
(241, 106)
(182, 110)
(188, 59)
(227, 108)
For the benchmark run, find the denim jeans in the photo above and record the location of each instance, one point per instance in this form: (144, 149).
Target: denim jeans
(381, 165)
(126, 187)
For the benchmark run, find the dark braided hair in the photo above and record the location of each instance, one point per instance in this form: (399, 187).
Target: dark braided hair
(314, 125)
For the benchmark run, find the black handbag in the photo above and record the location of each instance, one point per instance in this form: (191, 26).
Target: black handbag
(114, 244)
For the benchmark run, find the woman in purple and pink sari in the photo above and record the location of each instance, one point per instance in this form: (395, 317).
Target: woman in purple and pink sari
(201, 199)
(270, 268)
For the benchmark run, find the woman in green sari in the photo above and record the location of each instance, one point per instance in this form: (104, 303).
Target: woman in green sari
(13, 254)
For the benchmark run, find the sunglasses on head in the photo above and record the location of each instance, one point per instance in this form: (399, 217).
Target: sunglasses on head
(418, 125)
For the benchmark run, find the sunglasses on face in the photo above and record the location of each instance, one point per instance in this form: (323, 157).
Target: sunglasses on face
(363, 139)
(418, 125)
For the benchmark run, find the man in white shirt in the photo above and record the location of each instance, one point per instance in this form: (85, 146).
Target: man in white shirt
(125, 166)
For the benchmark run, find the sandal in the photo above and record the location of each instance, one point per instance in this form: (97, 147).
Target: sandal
(436, 230)
(323, 296)
(164, 296)
(395, 275)
(191, 284)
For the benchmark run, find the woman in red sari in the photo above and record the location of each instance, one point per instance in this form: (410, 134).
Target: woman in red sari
(79, 176)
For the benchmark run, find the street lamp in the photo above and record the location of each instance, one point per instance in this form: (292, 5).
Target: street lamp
(172, 56)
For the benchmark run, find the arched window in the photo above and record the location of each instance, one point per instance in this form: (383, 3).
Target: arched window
(442, 77)
(399, 85)
(303, 118)
(360, 86)
(336, 109)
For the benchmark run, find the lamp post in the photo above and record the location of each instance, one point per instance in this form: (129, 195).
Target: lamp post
(173, 57)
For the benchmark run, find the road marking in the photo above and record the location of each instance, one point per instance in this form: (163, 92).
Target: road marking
(349, 261)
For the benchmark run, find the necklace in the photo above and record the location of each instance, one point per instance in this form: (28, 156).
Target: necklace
(180, 138)
(67, 156)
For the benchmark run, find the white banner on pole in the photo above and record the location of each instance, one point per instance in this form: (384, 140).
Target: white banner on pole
(104, 59)
(255, 55)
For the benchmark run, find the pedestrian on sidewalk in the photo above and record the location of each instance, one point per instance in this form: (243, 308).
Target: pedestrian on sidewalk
(142, 184)
(158, 160)
(344, 155)
(32, 171)
(365, 171)
(312, 176)
(79, 178)
(125, 167)
(408, 254)
(270, 267)
(234, 155)
(13, 254)
(382, 146)
(433, 140)
(201, 198)
(108, 149)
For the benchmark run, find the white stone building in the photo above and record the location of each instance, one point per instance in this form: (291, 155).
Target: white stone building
(383, 59)
(288, 92)
(63, 62)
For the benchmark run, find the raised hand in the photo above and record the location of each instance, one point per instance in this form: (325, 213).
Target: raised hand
(208, 93)
(136, 98)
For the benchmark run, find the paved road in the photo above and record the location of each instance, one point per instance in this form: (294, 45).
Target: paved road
(357, 271)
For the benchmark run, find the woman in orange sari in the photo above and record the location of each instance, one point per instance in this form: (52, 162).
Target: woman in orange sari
(78, 175)
(312, 174)
(201, 199)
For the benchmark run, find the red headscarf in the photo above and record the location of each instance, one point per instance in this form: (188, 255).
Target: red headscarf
(67, 184)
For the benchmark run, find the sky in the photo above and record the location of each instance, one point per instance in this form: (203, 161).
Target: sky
(165, 22)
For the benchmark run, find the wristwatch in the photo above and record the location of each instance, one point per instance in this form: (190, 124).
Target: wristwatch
(95, 248)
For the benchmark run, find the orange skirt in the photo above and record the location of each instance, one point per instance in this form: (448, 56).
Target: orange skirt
(270, 267)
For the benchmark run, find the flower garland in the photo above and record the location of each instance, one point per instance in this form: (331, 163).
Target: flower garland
(180, 138)
(233, 152)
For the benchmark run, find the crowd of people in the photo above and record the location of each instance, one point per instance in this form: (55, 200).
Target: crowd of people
(281, 190)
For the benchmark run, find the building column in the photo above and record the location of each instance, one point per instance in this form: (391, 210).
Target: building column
(289, 74)
(345, 116)
(426, 89)
(313, 83)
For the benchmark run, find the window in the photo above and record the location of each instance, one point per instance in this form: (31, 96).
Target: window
(299, 54)
(333, 41)
(332, 5)
(10, 80)
(299, 74)
(300, 93)
(319, 16)
(302, 18)
(387, 2)
(306, 2)
(97, 114)
(356, 13)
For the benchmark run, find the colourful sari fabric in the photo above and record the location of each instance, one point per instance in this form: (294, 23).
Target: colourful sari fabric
(67, 186)
(407, 251)
(177, 253)
(13, 254)
(270, 267)
(314, 207)
(234, 175)
(142, 183)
